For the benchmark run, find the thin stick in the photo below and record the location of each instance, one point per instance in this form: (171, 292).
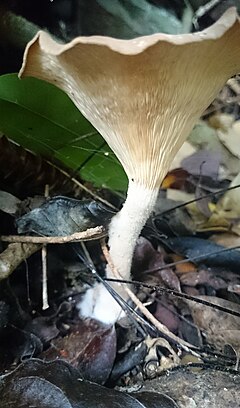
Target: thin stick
(195, 200)
(45, 304)
(203, 10)
(163, 329)
(88, 235)
(192, 259)
(160, 289)
(83, 187)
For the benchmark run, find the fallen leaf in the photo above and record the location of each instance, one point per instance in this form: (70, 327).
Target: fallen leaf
(215, 323)
(221, 121)
(170, 219)
(210, 388)
(226, 239)
(228, 205)
(9, 203)
(182, 268)
(58, 385)
(155, 400)
(203, 277)
(204, 223)
(146, 258)
(205, 251)
(231, 138)
(17, 345)
(64, 216)
(167, 314)
(203, 163)
(185, 151)
(178, 195)
(90, 347)
(176, 179)
(205, 137)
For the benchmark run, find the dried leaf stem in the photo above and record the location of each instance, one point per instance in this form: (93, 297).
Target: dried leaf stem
(162, 328)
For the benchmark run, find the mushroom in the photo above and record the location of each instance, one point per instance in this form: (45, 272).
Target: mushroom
(144, 97)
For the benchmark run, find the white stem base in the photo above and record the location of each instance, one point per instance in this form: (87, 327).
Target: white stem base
(97, 303)
(124, 230)
(126, 226)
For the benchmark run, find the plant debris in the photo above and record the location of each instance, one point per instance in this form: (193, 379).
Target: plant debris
(177, 343)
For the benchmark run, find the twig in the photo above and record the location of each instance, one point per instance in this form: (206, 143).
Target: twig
(13, 256)
(45, 304)
(21, 247)
(83, 187)
(88, 235)
(163, 329)
(196, 258)
(195, 200)
(204, 10)
(184, 296)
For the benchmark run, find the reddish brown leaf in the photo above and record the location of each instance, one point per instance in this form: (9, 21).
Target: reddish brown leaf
(166, 313)
(176, 179)
(91, 347)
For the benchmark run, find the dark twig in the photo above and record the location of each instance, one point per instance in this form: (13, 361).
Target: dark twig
(194, 200)
(160, 289)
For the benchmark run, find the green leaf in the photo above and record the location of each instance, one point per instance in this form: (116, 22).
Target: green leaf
(41, 118)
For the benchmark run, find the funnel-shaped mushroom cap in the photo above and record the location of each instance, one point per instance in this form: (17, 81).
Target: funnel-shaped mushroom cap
(143, 95)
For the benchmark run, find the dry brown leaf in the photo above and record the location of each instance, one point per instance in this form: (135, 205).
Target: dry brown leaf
(225, 214)
(178, 195)
(182, 268)
(215, 222)
(176, 179)
(228, 131)
(216, 325)
(228, 208)
(226, 239)
(202, 223)
(232, 337)
(221, 121)
(186, 150)
(229, 203)
(231, 139)
(206, 137)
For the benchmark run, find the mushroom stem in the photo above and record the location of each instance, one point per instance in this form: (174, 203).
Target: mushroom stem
(124, 230)
(126, 226)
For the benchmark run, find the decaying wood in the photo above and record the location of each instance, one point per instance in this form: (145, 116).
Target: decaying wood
(14, 255)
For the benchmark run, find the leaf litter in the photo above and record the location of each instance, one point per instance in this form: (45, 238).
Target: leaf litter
(178, 261)
(176, 254)
(174, 261)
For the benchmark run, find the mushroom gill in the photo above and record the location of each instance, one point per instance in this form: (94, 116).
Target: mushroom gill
(144, 97)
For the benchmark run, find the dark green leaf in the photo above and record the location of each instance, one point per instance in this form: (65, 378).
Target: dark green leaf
(41, 118)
